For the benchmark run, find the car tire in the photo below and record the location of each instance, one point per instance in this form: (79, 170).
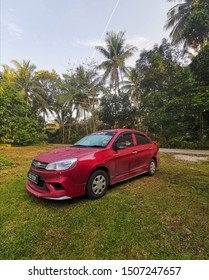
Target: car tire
(97, 184)
(152, 167)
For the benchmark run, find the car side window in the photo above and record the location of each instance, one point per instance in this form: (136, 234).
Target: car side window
(141, 139)
(125, 140)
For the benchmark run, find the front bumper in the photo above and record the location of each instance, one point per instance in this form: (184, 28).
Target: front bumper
(51, 193)
(54, 185)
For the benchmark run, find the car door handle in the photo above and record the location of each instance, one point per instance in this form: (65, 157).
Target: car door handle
(150, 148)
(134, 152)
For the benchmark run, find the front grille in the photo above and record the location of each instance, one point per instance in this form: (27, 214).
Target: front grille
(39, 165)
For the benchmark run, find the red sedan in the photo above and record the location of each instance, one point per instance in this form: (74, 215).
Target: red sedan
(92, 164)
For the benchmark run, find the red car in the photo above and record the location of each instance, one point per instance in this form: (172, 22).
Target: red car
(92, 164)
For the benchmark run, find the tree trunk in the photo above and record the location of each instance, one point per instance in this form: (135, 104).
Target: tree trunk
(201, 131)
(86, 125)
(69, 130)
(63, 133)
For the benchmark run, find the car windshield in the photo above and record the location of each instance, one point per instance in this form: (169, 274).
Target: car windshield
(99, 139)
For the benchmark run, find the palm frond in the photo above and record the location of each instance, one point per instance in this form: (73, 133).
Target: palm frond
(103, 51)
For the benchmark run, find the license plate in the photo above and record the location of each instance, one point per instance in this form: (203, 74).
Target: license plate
(33, 177)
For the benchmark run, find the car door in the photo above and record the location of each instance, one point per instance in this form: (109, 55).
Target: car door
(124, 156)
(144, 150)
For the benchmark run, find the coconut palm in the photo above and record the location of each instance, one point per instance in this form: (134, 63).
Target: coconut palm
(63, 110)
(45, 88)
(177, 17)
(7, 75)
(189, 22)
(116, 52)
(24, 77)
(89, 85)
(132, 86)
(27, 82)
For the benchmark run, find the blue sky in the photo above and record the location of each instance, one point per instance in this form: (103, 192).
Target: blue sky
(54, 34)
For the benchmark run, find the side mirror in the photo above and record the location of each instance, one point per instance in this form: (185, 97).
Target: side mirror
(119, 146)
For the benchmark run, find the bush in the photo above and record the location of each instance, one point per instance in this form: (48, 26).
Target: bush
(17, 125)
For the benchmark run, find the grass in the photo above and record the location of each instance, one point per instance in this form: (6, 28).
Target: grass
(160, 217)
(4, 162)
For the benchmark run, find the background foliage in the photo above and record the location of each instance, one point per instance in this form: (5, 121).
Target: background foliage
(166, 94)
(18, 126)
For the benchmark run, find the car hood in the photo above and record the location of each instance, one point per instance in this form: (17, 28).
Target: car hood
(65, 153)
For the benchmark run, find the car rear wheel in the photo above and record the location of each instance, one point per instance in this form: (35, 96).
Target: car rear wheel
(97, 184)
(152, 167)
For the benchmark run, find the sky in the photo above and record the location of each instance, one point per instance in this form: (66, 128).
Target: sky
(59, 34)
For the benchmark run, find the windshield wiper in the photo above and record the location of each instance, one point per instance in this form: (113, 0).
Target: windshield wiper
(88, 146)
(96, 146)
(78, 146)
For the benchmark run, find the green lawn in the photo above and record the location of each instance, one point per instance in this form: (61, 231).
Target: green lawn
(160, 217)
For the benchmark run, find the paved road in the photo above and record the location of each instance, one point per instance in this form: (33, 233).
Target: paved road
(185, 152)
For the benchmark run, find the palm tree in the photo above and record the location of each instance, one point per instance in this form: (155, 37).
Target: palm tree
(132, 86)
(116, 53)
(24, 77)
(31, 85)
(188, 21)
(177, 17)
(89, 85)
(8, 75)
(63, 109)
(45, 87)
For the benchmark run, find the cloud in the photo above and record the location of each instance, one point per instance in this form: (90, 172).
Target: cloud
(89, 43)
(137, 41)
(14, 30)
(140, 42)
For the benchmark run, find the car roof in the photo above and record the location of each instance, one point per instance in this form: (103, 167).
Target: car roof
(120, 130)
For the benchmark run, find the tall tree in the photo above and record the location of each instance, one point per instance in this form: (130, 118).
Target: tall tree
(177, 17)
(116, 52)
(196, 30)
(166, 104)
(189, 21)
(46, 87)
(24, 78)
(63, 109)
(132, 86)
(200, 68)
(34, 87)
(15, 127)
(8, 75)
(90, 85)
(117, 111)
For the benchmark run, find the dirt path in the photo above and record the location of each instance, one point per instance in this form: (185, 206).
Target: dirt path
(188, 155)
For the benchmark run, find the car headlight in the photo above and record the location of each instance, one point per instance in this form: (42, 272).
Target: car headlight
(62, 164)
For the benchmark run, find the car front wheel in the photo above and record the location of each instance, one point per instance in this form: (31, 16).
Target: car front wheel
(152, 167)
(97, 184)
